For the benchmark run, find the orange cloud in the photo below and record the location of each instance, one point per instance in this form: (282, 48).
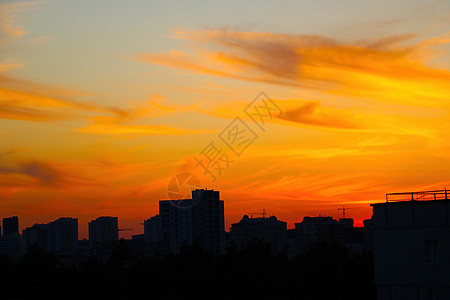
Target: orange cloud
(112, 128)
(6, 67)
(31, 101)
(311, 113)
(9, 15)
(27, 114)
(383, 69)
(379, 126)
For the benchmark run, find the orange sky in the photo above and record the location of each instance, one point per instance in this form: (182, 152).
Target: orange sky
(96, 121)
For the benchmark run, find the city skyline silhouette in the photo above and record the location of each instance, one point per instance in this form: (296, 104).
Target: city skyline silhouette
(225, 149)
(406, 236)
(293, 108)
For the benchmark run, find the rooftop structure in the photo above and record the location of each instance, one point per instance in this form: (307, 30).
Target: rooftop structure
(418, 196)
(411, 240)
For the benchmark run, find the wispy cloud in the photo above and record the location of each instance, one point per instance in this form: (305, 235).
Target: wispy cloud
(31, 101)
(388, 69)
(40, 173)
(4, 67)
(312, 113)
(10, 14)
(110, 126)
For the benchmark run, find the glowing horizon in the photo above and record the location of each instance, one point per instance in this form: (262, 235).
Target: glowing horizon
(102, 104)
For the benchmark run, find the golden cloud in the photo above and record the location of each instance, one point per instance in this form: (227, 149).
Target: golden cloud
(312, 113)
(117, 129)
(31, 101)
(384, 69)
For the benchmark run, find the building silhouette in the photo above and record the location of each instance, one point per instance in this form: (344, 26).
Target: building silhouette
(352, 237)
(83, 250)
(11, 241)
(103, 232)
(10, 225)
(317, 229)
(63, 236)
(137, 245)
(59, 237)
(153, 240)
(200, 220)
(209, 220)
(368, 239)
(268, 230)
(11, 246)
(176, 224)
(36, 235)
(411, 246)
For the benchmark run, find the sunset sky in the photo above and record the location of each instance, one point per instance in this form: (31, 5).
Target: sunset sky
(103, 102)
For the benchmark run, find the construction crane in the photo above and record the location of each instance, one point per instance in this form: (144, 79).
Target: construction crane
(343, 208)
(263, 213)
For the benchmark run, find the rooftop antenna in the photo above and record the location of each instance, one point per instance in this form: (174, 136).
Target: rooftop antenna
(263, 213)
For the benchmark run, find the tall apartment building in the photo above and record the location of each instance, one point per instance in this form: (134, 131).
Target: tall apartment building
(411, 246)
(209, 220)
(200, 219)
(176, 224)
(63, 236)
(10, 225)
(153, 235)
(11, 241)
(103, 231)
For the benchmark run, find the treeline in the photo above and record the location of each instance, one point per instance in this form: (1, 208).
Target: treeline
(325, 272)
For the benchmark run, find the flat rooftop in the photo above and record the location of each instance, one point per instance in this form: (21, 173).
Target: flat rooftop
(419, 196)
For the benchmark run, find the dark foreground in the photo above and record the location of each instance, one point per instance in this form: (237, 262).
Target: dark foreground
(326, 272)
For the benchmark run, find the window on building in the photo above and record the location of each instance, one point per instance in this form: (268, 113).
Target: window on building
(431, 251)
